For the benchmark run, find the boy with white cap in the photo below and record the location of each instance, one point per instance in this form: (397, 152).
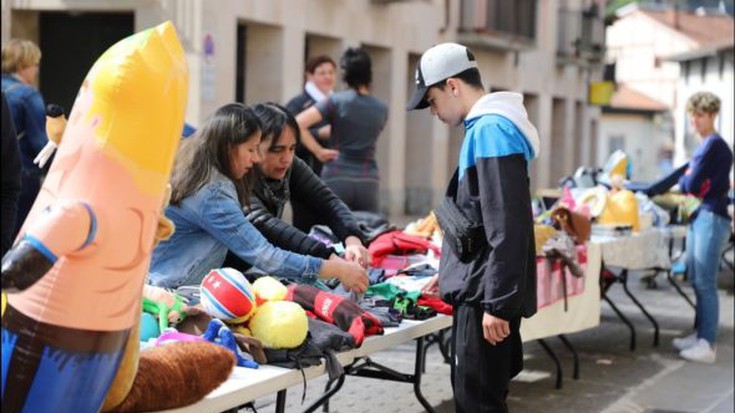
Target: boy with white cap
(496, 285)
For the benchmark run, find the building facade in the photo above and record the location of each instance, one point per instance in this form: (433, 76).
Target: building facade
(254, 50)
(641, 43)
(639, 126)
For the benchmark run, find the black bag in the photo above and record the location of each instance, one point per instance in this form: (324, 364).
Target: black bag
(465, 237)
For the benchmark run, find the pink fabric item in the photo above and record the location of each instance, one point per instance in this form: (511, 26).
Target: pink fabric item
(549, 279)
(169, 337)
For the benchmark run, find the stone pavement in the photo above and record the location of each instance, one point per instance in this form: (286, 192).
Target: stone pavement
(612, 378)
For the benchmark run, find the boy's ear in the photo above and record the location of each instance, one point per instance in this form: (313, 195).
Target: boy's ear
(453, 85)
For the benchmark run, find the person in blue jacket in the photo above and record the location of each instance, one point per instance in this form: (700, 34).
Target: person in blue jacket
(20, 61)
(10, 180)
(708, 179)
(495, 286)
(210, 184)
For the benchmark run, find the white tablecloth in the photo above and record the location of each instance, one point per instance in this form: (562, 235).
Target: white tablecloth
(647, 249)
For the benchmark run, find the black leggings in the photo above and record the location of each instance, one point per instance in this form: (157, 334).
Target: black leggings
(359, 194)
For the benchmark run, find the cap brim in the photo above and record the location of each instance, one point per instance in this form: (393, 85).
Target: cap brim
(418, 100)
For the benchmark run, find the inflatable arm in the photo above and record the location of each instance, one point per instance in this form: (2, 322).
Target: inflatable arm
(60, 230)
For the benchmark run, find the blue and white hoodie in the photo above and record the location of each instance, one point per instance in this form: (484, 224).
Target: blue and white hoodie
(493, 188)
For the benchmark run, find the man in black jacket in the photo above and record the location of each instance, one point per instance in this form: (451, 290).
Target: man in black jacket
(494, 285)
(10, 179)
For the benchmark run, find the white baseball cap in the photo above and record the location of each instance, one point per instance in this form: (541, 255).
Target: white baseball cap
(436, 65)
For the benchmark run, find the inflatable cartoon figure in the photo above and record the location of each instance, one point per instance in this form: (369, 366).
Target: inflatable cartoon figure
(75, 274)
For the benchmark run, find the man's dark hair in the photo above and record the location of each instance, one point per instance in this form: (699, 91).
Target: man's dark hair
(470, 76)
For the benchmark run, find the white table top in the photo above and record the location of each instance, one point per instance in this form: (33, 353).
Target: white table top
(643, 250)
(245, 385)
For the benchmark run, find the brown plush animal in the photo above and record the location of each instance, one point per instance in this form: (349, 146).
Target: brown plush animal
(176, 375)
(576, 225)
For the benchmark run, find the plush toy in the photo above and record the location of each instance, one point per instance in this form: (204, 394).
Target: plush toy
(167, 306)
(165, 382)
(219, 333)
(76, 272)
(149, 327)
(226, 294)
(242, 329)
(268, 289)
(280, 324)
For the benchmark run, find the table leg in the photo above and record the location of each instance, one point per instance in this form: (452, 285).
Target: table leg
(420, 360)
(443, 342)
(444, 346)
(623, 318)
(678, 289)
(326, 396)
(624, 280)
(281, 401)
(569, 346)
(371, 369)
(325, 408)
(553, 356)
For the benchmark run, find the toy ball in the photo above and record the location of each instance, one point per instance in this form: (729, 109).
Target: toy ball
(148, 327)
(280, 324)
(226, 294)
(268, 289)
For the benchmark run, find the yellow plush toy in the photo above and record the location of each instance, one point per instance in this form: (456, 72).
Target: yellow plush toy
(280, 324)
(268, 289)
(621, 207)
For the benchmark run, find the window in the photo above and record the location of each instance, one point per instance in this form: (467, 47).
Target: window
(514, 18)
(580, 33)
(240, 54)
(615, 142)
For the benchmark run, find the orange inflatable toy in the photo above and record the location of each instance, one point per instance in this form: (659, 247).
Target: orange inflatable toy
(75, 274)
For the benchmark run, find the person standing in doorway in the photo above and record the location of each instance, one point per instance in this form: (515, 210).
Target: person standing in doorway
(357, 118)
(493, 286)
(20, 61)
(708, 179)
(320, 71)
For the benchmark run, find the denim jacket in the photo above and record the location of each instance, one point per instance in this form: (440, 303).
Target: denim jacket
(210, 222)
(29, 117)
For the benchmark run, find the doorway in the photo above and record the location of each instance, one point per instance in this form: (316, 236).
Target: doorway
(70, 43)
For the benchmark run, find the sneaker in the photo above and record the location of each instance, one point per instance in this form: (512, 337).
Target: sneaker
(684, 343)
(701, 352)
